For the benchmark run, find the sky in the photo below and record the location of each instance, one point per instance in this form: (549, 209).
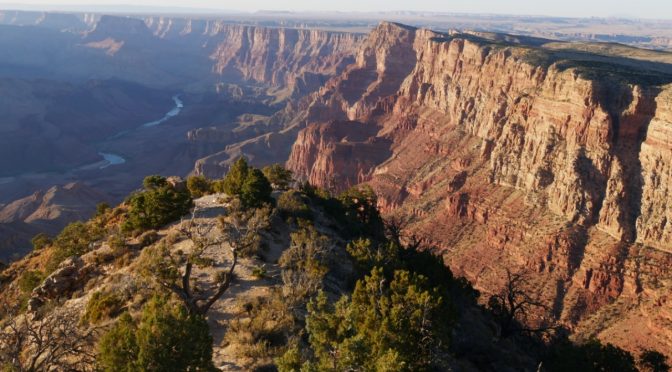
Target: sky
(656, 9)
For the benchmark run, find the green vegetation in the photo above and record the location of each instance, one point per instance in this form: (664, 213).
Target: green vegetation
(304, 265)
(247, 183)
(259, 272)
(102, 306)
(278, 176)
(353, 293)
(262, 330)
(398, 326)
(29, 280)
(292, 204)
(40, 241)
(166, 338)
(355, 210)
(74, 240)
(199, 186)
(159, 204)
(102, 209)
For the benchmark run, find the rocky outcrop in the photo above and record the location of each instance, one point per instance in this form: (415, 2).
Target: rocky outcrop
(512, 156)
(70, 276)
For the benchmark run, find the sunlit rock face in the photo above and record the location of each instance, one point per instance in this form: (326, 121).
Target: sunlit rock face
(510, 157)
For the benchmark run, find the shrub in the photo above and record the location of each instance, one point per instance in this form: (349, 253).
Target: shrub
(304, 265)
(29, 280)
(232, 184)
(154, 182)
(198, 186)
(148, 238)
(279, 177)
(159, 204)
(40, 241)
(401, 324)
(291, 204)
(242, 228)
(262, 329)
(117, 243)
(247, 183)
(360, 211)
(74, 240)
(259, 272)
(165, 339)
(102, 306)
(118, 348)
(102, 209)
(256, 190)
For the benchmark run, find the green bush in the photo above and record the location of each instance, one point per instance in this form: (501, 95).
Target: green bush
(165, 339)
(259, 272)
(159, 204)
(102, 209)
(360, 212)
(291, 204)
(74, 240)
(256, 190)
(247, 183)
(41, 241)
(29, 280)
(261, 331)
(154, 182)
(198, 186)
(118, 349)
(400, 325)
(279, 177)
(102, 306)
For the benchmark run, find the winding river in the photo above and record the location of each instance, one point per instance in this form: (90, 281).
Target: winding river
(110, 159)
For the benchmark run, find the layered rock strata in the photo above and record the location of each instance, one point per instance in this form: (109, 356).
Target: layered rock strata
(514, 157)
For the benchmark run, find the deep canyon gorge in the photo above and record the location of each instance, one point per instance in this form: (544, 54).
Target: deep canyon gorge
(505, 152)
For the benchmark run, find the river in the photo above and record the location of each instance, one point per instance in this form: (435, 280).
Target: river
(110, 159)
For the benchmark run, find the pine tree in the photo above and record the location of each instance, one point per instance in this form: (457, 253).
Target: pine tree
(233, 182)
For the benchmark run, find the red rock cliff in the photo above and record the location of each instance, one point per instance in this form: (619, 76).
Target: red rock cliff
(298, 59)
(508, 156)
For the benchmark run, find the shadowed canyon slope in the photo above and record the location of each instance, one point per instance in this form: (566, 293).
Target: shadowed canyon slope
(513, 156)
(77, 86)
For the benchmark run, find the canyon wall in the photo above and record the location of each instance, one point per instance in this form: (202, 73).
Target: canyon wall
(510, 156)
(299, 60)
(292, 61)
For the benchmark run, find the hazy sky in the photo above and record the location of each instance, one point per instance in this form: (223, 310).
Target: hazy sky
(661, 9)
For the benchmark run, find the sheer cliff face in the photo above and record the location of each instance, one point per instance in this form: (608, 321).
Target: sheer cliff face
(557, 168)
(293, 59)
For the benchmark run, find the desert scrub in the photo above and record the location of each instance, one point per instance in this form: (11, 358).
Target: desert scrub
(259, 272)
(74, 240)
(292, 204)
(261, 330)
(102, 306)
(29, 280)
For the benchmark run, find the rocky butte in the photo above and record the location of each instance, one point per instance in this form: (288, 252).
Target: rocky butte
(515, 154)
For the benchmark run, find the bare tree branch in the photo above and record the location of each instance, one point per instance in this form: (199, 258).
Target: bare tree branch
(514, 306)
(52, 343)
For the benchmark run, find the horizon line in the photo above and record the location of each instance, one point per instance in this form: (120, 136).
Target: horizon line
(130, 8)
